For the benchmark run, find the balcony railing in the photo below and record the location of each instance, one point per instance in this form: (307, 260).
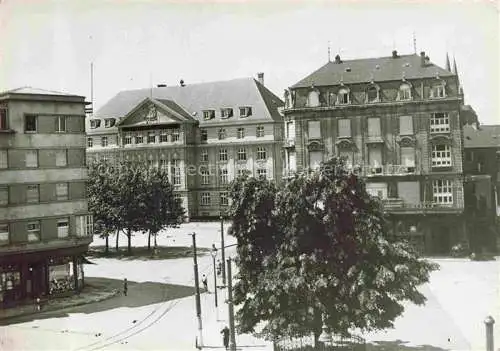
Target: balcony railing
(399, 205)
(389, 170)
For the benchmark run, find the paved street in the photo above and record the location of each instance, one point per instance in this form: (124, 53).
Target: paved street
(460, 295)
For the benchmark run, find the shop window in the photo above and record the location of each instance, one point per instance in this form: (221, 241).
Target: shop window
(10, 280)
(61, 277)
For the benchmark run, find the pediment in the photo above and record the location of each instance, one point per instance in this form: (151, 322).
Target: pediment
(315, 146)
(441, 139)
(152, 112)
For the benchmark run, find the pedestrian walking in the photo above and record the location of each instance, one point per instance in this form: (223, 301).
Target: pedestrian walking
(205, 282)
(219, 268)
(225, 336)
(125, 286)
(37, 304)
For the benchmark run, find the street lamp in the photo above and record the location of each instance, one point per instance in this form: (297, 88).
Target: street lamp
(213, 252)
(325, 337)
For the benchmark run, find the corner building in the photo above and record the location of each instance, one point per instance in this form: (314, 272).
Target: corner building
(204, 135)
(44, 224)
(397, 120)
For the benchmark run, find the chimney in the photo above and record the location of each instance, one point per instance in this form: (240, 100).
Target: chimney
(337, 59)
(161, 86)
(182, 83)
(422, 58)
(394, 54)
(260, 78)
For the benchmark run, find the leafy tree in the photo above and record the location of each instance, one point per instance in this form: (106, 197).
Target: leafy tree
(318, 248)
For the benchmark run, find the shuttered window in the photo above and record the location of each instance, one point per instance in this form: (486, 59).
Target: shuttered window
(405, 125)
(374, 127)
(344, 127)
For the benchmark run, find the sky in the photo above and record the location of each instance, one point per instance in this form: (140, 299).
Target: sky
(50, 44)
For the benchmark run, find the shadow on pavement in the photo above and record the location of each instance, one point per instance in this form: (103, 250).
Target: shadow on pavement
(399, 345)
(139, 294)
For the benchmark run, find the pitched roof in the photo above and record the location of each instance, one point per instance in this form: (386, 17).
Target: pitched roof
(482, 137)
(35, 91)
(379, 69)
(194, 98)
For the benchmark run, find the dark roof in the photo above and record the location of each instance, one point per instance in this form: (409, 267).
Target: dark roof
(484, 136)
(194, 98)
(379, 69)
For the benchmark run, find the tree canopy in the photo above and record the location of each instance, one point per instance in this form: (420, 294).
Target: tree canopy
(318, 247)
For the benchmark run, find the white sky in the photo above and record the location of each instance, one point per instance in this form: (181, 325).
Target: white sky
(50, 44)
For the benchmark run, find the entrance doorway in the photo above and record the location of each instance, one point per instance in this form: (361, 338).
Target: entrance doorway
(441, 241)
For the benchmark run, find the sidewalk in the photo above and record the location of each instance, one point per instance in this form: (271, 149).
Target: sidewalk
(91, 293)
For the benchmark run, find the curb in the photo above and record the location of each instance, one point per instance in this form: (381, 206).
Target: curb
(104, 297)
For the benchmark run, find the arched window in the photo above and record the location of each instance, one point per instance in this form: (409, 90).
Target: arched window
(343, 97)
(372, 94)
(404, 92)
(313, 98)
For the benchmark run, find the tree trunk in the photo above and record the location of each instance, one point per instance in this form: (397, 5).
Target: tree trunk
(106, 250)
(156, 244)
(149, 240)
(129, 238)
(117, 236)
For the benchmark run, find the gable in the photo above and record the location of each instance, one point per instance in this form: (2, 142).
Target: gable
(150, 112)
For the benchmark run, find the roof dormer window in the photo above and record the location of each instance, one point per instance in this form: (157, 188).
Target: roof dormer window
(226, 112)
(208, 114)
(343, 97)
(245, 111)
(109, 122)
(95, 123)
(404, 93)
(372, 94)
(313, 98)
(438, 91)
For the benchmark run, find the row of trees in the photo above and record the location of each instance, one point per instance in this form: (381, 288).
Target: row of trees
(318, 250)
(129, 197)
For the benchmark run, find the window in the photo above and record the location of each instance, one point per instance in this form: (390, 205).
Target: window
(84, 226)
(62, 191)
(292, 161)
(315, 159)
(260, 131)
(32, 194)
(313, 99)
(372, 94)
(61, 158)
(176, 134)
(109, 122)
(347, 156)
(205, 199)
(127, 139)
(240, 133)
(104, 141)
(438, 91)
(226, 112)
(222, 134)
(223, 176)
(261, 154)
(344, 128)
(4, 196)
(343, 97)
(62, 228)
(440, 123)
(3, 119)
(176, 172)
(290, 130)
(242, 155)
(314, 128)
(30, 123)
(377, 190)
(374, 127)
(441, 156)
(404, 92)
(151, 138)
(208, 114)
(375, 157)
(408, 158)
(163, 164)
(4, 233)
(4, 159)
(203, 135)
(205, 176)
(95, 123)
(90, 142)
(33, 229)
(163, 136)
(261, 173)
(405, 125)
(32, 158)
(204, 155)
(139, 139)
(223, 155)
(442, 192)
(245, 111)
(60, 124)
(242, 171)
(224, 198)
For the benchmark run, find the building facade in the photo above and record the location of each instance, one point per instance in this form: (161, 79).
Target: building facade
(397, 121)
(204, 135)
(44, 224)
(482, 186)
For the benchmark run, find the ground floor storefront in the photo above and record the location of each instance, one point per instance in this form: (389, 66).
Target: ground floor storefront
(24, 277)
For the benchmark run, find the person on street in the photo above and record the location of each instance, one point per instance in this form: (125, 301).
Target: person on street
(125, 286)
(225, 336)
(37, 304)
(205, 282)
(219, 268)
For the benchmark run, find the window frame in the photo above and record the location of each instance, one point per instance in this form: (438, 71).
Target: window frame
(310, 125)
(203, 155)
(175, 135)
(402, 92)
(4, 229)
(208, 114)
(339, 129)
(441, 158)
(224, 198)
(261, 153)
(26, 123)
(221, 134)
(95, 123)
(58, 158)
(442, 192)
(343, 93)
(261, 173)
(33, 197)
(36, 230)
(4, 164)
(203, 135)
(247, 111)
(226, 112)
(62, 196)
(4, 118)
(240, 133)
(205, 199)
(90, 142)
(241, 154)
(138, 139)
(435, 127)
(58, 124)
(223, 176)
(260, 131)
(128, 139)
(377, 95)
(32, 152)
(151, 138)
(59, 234)
(4, 189)
(223, 155)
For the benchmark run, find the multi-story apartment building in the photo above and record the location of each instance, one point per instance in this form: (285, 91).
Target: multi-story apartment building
(204, 135)
(397, 122)
(44, 224)
(482, 186)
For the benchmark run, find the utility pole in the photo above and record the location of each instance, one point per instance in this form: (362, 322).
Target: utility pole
(232, 340)
(199, 342)
(223, 250)
(214, 254)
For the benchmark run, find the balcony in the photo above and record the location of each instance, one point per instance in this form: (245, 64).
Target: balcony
(396, 205)
(389, 170)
